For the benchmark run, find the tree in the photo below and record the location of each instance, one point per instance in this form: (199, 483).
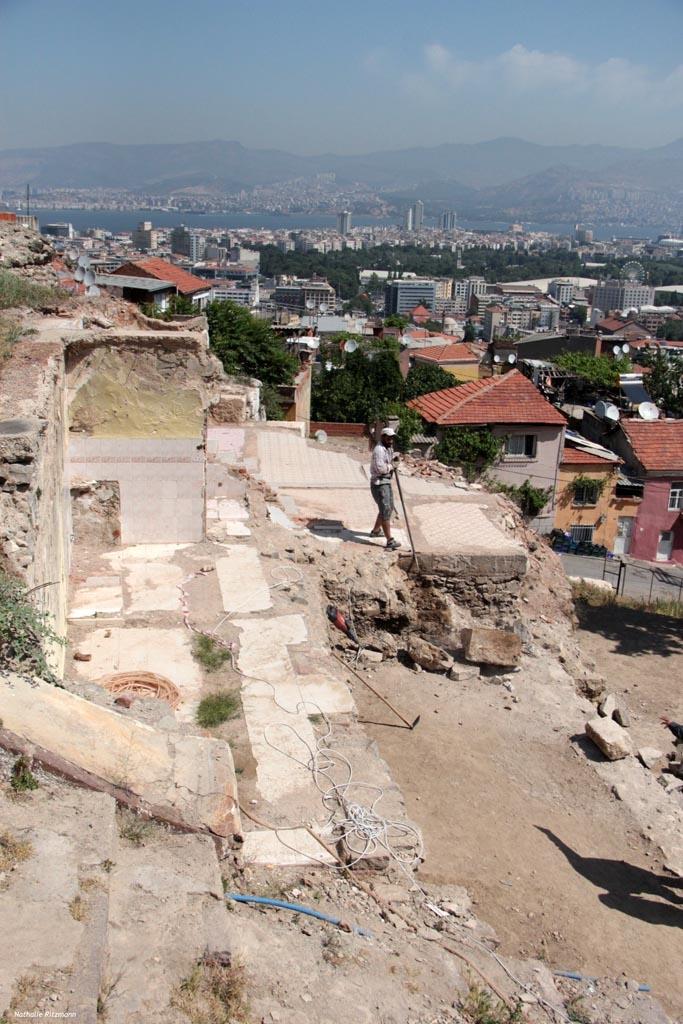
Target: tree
(394, 320)
(470, 332)
(247, 345)
(422, 379)
(601, 371)
(358, 384)
(671, 330)
(664, 382)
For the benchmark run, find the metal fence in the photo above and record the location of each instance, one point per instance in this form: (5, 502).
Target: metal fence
(637, 579)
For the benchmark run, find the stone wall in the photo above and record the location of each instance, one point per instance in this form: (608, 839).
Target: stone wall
(34, 499)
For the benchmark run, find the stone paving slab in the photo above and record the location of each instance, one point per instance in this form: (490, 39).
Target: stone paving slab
(152, 586)
(286, 847)
(286, 460)
(98, 595)
(244, 588)
(455, 538)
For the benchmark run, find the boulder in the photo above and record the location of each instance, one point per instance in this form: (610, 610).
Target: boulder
(608, 705)
(491, 646)
(613, 740)
(621, 715)
(650, 757)
(591, 686)
(463, 672)
(428, 656)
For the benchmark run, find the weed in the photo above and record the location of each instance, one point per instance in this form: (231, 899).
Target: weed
(78, 908)
(215, 992)
(480, 1007)
(576, 1012)
(217, 708)
(209, 653)
(23, 778)
(107, 865)
(135, 830)
(13, 851)
(90, 884)
(597, 597)
(316, 719)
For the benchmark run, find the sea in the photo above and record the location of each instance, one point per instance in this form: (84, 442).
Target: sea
(126, 220)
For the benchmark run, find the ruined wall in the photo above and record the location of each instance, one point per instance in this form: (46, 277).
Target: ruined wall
(34, 499)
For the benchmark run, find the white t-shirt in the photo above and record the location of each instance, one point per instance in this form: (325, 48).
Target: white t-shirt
(380, 463)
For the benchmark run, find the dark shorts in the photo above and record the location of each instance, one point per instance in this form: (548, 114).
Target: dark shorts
(384, 498)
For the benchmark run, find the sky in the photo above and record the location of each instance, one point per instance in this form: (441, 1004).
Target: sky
(340, 76)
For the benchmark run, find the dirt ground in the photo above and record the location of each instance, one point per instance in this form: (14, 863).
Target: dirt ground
(511, 808)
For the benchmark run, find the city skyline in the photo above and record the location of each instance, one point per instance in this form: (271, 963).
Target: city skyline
(314, 80)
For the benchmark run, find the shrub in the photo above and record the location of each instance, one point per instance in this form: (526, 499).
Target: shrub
(24, 632)
(531, 500)
(23, 778)
(13, 851)
(479, 1007)
(215, 992)
(472, 448)
(424, 379)
(216, 709)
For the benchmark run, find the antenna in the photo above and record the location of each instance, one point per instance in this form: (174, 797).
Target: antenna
(351, 345)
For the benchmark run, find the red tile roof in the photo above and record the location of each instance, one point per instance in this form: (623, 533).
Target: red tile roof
(187, 284)
(572, 456)
(610, 324)
(451, 353)
(510, 398)
(657, 444)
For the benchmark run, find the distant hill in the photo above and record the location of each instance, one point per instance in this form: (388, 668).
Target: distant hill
(502, 175)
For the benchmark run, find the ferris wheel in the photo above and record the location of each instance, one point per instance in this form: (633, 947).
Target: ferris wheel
(633, 271)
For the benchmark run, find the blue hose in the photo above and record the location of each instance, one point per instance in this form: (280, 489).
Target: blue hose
(575, 976)
(298, 908)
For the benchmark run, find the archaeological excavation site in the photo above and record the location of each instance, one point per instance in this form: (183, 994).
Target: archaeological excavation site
(256, 768)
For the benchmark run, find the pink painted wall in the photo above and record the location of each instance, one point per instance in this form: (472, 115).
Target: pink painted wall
(654, 518)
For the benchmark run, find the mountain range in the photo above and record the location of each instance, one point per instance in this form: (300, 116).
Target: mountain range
(504, 173)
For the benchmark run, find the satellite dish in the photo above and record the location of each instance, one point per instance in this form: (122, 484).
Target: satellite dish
(89, 278)
(321, 436)
(648, 411)
(607, 411)
(496, 359)
(93, 291)
(616, 349)
(79, 274)
(310, 304)
(626, 348)
(512, 358)
(322, 308)
(328, 365)
(84, 261)
(71, 254)
(351, 345)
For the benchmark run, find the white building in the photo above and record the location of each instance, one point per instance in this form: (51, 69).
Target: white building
(622, 295)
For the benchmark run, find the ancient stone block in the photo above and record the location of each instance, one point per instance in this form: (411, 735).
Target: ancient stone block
(610, 738)
(491, 646)
(428, 656)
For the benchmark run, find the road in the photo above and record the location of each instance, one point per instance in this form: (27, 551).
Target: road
(665, 581)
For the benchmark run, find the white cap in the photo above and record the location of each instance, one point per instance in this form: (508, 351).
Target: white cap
(388, 432)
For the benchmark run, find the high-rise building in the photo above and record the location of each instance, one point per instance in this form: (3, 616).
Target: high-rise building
(405, 293)
(619, 295)
(188, 243)
(145, 237)
(561, 291)
(344, 222)
(448, 220)
(408, 219)
(418, 215)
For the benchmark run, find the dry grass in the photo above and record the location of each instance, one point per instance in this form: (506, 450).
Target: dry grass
(215, 992)
(78, 908)
(597, 597)
(17, 291)
(134, 829)
(13, 851)
(480, 1007)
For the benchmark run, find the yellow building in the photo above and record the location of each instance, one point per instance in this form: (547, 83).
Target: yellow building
(587, 505)
(456, 357)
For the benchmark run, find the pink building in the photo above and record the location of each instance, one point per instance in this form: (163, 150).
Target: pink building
(653, 451)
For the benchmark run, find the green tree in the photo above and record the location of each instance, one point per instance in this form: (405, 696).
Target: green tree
(475, 449)
(671, 330)
(470, 332)
(601, 371)
(358, 385)
(664, 382)
(247, 345)
(394, 320)
(422, 379)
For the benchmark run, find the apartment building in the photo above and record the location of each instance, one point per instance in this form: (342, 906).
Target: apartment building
(403, 294)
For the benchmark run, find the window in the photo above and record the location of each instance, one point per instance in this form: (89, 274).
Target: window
(586, 494)
(676, 496)
(582, 533)
(521, 446)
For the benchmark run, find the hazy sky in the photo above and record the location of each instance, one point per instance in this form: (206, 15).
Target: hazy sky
(340, 75)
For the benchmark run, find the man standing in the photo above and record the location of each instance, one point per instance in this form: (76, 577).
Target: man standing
(381, 472)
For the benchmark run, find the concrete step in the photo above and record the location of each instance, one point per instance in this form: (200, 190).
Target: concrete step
(54, 903)
(166, 911)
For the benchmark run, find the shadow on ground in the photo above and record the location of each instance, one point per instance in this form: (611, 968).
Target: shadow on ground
(629, 889)
(633, 631)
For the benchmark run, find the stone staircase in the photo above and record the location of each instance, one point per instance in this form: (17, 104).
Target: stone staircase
(102, 922)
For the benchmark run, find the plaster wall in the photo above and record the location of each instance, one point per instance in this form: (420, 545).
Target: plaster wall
(654, 518)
